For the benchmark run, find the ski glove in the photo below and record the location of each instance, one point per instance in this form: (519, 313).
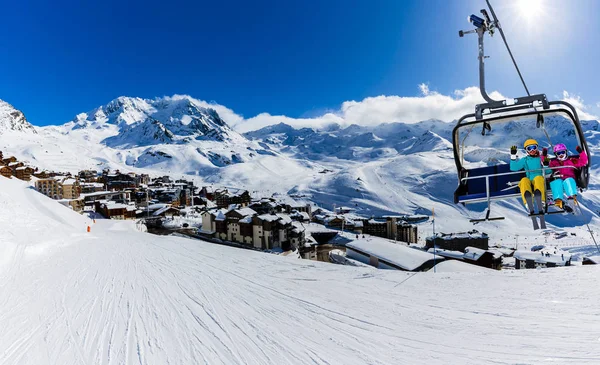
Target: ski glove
(546, 161)
(578, 149)
(544, 152)
(513, 153)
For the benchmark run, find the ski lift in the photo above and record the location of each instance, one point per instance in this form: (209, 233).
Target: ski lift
(531, 113)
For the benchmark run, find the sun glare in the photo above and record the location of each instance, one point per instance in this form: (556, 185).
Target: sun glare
(529, 9)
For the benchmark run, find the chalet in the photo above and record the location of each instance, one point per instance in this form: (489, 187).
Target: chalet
(112, 210)
(23, 173)
(239, 225)
(289, 205)
(375, 227)
(209, 222)
(9, 160)
(304, 217)
(91, 187)
(458, 241)
(119, 181)
(207, 192)
(88, 175)
(383, 254)
(473, 256)
(245, 226)
(6, 171)
(264, 206)
(541, 259)
(15, 165)
(51, 187)
(42, 174)
(297, 235)
(226, 197)
(266, 232)
(71, 188)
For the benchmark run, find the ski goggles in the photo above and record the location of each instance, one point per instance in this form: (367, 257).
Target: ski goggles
(532, 147)
(561, 153)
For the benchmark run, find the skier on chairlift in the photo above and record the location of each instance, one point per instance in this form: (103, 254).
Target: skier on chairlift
(533, 184)
(564, 182)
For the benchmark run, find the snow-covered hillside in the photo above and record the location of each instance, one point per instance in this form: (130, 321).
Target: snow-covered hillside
(117, 296)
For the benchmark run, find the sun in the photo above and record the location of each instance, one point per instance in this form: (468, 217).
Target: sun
(530, 9)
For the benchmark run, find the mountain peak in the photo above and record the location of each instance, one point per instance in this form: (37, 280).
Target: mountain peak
(12, 119)
(136, 122)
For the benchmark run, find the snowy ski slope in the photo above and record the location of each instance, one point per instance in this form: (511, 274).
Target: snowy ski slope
(118, 296)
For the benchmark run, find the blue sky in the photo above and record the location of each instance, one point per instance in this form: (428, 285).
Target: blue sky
(296, 58)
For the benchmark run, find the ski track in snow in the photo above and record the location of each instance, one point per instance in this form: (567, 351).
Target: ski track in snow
(116, 296)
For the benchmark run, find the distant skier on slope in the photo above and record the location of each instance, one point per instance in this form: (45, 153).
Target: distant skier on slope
(533, 184)
(565, 181)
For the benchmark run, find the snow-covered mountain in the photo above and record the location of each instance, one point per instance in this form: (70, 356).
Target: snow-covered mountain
(168, 135)
(143, 122)
(13, 120)
(383, 169)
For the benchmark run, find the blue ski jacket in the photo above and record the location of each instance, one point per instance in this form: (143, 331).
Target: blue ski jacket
(528, 163)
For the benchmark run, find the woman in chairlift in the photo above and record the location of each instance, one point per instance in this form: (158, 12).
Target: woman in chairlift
(565, 175)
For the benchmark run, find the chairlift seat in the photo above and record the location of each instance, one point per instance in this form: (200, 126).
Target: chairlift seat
(474, 190)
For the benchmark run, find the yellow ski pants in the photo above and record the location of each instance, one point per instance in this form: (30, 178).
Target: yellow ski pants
(537, 183)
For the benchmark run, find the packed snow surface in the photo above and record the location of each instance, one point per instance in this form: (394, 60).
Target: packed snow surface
(118, 296)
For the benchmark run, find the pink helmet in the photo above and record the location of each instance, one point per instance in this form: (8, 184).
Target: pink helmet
(558, 148)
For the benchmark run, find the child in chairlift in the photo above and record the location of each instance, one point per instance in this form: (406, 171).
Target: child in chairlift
(565, 174)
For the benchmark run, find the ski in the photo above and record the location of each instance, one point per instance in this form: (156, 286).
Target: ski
(538, 202)
(529, 201)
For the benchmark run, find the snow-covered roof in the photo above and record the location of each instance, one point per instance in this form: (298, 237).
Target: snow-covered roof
(157, 206)
(246, 219)
(113, 205)
(473, 253)
(462, 235)
(302, 215)
(405, 257)
(93, 184)
(164, 209)
(373, 221)
(458, 266)
(540, 256)
(220, 215)
(285, 219)
(245, 211)
(100, 193)
(268, 217)
(447, 253)
(298, 227)
(69, 181)
(358, 224)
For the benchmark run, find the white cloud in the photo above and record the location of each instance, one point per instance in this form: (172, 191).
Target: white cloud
(579, 105)
(385, 109)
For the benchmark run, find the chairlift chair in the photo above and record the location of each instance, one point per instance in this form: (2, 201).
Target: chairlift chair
(497, 182)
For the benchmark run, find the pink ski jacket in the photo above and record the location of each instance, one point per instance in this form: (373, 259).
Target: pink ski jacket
(571, 161)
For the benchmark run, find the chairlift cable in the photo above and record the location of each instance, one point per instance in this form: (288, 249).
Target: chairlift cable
(507, 47)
